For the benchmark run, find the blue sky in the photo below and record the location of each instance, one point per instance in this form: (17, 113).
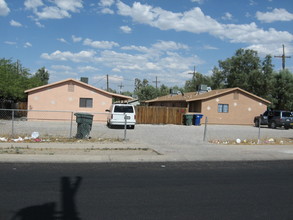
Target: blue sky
(141, 39)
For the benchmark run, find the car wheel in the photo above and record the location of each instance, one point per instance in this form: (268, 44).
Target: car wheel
(132, 127)
(286, 127)
(256, 123)
(273, 125)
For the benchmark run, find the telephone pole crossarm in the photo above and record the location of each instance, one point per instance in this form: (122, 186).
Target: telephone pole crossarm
(283, 58)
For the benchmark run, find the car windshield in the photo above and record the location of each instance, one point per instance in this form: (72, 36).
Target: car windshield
(120, 108)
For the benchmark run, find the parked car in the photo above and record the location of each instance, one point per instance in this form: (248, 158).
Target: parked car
(119, 112)
(275, 118)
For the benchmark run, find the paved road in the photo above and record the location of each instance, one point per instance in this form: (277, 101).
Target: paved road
(197, 190)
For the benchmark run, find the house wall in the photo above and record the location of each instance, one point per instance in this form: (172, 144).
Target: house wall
(242, 109)
(66, 97)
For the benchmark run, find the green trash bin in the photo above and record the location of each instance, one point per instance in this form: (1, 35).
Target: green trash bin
(84, 125)
(188, 119)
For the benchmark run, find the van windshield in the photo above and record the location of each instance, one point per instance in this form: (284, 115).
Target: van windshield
(127, 109)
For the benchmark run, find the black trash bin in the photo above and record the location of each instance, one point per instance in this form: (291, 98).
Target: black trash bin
(197, 118)
(84, 125)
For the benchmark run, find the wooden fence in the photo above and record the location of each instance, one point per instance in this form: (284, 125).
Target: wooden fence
(159, 115)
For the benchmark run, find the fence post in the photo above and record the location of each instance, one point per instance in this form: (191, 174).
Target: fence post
(125, 126)
(258, 140)
(205, 129)
(70, 132)
(12, 117)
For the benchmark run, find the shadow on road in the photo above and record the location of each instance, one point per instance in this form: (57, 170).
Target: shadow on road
(47, 211)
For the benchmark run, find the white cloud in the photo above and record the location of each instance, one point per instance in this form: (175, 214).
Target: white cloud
(10, 42)
(126, 29)
(82, 56)
(62, 40)
(61, 67)
(53, 13)
(27, 44)
(106, 3)
(100, 44)
(4, 10)
(278, 14)
(227, 16)
(161, 57)
(198, 1)
(195, 21)
(15, 23)
(58, 9)
(107, 11)
(39, 24)
(169, 45)
(33, 4)
(83, 69)
(69, 5)
(208, 47)
(76, 39)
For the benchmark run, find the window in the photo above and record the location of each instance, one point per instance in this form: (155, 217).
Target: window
(122, 109)
(86, 102)
(223, 108)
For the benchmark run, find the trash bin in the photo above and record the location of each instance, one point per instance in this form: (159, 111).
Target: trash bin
(188, 119)
(84, 124)
(197, 118)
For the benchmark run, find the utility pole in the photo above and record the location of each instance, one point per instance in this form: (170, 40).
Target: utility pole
(193, 72)
(283, 57)
(156, 82)
(120, 86)
(107, 82)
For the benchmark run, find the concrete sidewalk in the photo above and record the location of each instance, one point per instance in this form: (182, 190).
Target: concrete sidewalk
(130, 151)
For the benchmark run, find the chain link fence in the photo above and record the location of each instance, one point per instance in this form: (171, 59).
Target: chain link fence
(15, 122)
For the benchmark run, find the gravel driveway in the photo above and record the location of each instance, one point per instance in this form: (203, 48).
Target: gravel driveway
(146, 134)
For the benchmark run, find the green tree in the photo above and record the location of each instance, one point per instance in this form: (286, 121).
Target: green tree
(197, 79)
(144, 91)
(43, 75)
(246, 70)
(15, 79)
(283, 90)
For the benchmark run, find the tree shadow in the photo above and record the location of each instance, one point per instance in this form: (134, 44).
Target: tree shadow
(47, 211)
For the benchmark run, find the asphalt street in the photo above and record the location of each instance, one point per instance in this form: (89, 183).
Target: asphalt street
(187, 190)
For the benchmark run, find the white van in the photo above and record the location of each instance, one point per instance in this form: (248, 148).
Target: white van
(117, 114)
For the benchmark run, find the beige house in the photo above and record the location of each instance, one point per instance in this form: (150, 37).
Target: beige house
(222, 106)
(50, 102)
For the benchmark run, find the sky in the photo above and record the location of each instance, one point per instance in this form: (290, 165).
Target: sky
(158, 40)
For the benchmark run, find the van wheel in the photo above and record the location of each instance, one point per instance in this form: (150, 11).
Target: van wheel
(132, 127)
(109, 125)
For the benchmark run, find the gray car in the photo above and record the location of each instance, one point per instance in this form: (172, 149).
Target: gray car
(275, 118)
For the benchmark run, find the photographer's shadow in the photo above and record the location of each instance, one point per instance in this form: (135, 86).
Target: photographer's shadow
(48, 211)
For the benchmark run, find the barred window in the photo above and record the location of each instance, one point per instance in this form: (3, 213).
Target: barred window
(85, 102)
(223, 108)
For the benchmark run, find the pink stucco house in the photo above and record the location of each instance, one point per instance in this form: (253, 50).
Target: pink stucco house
(221, 106)
(57, 101)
